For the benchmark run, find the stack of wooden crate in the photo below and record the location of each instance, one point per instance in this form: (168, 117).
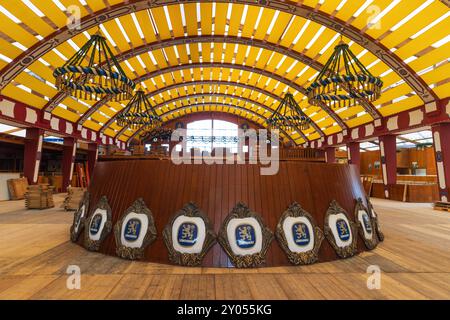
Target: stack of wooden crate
(39, 196)
(73, 198)
(17, 188)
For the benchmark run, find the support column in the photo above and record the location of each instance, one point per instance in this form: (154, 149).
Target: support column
(92, 158)
(354, 155)
(32, 154)
(388, 155)
(441, 142)
(68, 161)
(330, 155)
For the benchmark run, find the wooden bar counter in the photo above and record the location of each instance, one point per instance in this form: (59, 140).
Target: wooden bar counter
(216, 189)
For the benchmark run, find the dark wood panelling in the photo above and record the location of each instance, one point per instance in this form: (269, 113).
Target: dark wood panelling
(166, 187)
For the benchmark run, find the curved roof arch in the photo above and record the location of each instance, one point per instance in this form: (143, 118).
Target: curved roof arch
(295, 87)
(214, 83)
(296, 56)
(8, 73)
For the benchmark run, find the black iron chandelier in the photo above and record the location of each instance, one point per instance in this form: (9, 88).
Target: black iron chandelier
(337, 89)
(139, 113)
(93, 73)
(288, 116)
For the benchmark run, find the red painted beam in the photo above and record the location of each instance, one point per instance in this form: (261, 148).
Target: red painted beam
(441, 139)
(32, 154)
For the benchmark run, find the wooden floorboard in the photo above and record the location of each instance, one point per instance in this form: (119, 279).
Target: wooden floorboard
(35, 253)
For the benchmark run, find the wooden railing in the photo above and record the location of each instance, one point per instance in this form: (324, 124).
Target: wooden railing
(291, 154)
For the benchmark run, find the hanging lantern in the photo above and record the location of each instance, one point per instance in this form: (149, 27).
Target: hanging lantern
(288, 116)
(336, 89)
(93, 73)
(139, 113)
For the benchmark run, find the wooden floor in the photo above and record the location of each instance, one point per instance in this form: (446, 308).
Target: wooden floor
(35, 253)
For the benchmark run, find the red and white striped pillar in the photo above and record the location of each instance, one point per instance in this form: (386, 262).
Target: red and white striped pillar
(441, 142)
(388, 155)
(32, 154)
(68, 161)
(353, 154)
(330, 155)
(92, 157)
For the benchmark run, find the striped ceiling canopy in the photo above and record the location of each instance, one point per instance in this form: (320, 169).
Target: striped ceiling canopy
(239, 57)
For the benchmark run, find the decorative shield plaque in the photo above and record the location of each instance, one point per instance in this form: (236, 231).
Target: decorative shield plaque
(98, 225)
(298, 235)
(340, 231)
(366, 225)
(79, 218)
(188, 236)
(375, 221)
(244, 237)
(134, 231)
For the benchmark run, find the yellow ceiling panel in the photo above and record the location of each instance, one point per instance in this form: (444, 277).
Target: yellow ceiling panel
(279, 27)
(250, 20)
(92, 125)
(51, 11)
(161, 22)
(264, 23)
(349, 112)
(206, 18)
(36, 85)
(9, 50)
(442, 90)
(16, 32)
(131, 30)
(403, 105)
(396, 14)
(431, 58)
(176, 20)
(396, 92)
(220, 18)
(96, 5)
(240, 55)
(23, 96)
(370, 13)
(286, 26)
(347, 11)
(113, 29)
(417, 23)
(65, 114)
(437, 74)
(190, 12)
(425, 40)
(146, 26)
(292, 32)
(326, 36)
(109, 132)
(235, 19)
(307, 36)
